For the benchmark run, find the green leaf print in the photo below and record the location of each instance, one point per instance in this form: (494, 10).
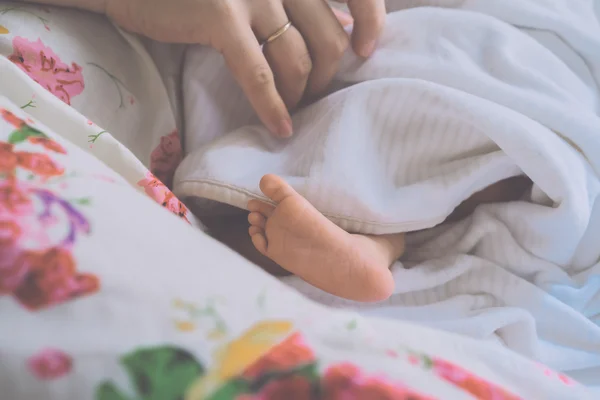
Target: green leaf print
(83, 201)
(108, 391)
(157, 373)
(351, 325)
(231, 390)
(21, 135)
(31, 104)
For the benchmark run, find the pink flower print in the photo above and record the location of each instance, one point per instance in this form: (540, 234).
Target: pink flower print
(414, 360)
(50, 364)
(14, 199)
(556, 375)
(163, 196)
(469, 382)
(391, 353)
(166, 157)
(46, 68)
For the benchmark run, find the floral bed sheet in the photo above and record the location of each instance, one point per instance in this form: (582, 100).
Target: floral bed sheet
(109, 289)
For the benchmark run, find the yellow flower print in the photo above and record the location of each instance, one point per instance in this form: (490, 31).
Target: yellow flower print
(239, 354)
(185, 326)
(178, 303)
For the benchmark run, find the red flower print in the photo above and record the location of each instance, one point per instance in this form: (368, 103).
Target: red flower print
(166, 157)
(14, 200)
(53, 280)
(288, 388)
(288, 354)
(346, 381)
(467, 381)
(9, 231)
(12, 119)
(8, 158)
(47, 143)
(163, 196)
(13, 266)
(39, 164)
(50, 364)
(44, 67)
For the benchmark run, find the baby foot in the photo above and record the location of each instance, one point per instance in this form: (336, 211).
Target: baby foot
(300, 239)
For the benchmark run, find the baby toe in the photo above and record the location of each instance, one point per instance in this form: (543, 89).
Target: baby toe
(257, 219)
(257, 206)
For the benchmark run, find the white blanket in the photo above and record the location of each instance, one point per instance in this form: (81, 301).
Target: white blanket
(457, 97)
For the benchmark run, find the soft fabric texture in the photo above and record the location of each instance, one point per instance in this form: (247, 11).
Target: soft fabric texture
(456, 97)
(114, 297)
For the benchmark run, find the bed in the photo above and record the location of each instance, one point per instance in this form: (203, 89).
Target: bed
(110, 288)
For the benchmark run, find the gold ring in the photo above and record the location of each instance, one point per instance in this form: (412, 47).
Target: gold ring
(277, 33)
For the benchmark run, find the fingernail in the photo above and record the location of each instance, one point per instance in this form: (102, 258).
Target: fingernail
(285, 128)
(368, 48)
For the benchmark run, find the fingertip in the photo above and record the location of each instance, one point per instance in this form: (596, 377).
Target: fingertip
(281, 127)
(365, 49)
(369, 17)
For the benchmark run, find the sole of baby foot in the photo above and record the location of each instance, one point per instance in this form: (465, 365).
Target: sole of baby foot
(296, 236)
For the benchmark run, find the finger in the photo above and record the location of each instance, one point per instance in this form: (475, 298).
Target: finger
(248, 65)
(287, 54)
(343, 18)
(369, 18)
(324, 35)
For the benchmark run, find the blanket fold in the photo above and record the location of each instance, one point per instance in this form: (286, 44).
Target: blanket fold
(457, 97)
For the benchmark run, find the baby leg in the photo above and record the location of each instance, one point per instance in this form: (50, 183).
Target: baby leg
(299, 238)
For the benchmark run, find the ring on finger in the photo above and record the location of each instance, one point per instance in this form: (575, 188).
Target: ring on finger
(277, 33)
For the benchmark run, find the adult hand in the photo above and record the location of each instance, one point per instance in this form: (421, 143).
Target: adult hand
(302, 59)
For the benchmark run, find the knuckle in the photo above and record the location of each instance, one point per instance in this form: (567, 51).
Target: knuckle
(261, 76)
(304, 65)
(224, 9)
(335, 46)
